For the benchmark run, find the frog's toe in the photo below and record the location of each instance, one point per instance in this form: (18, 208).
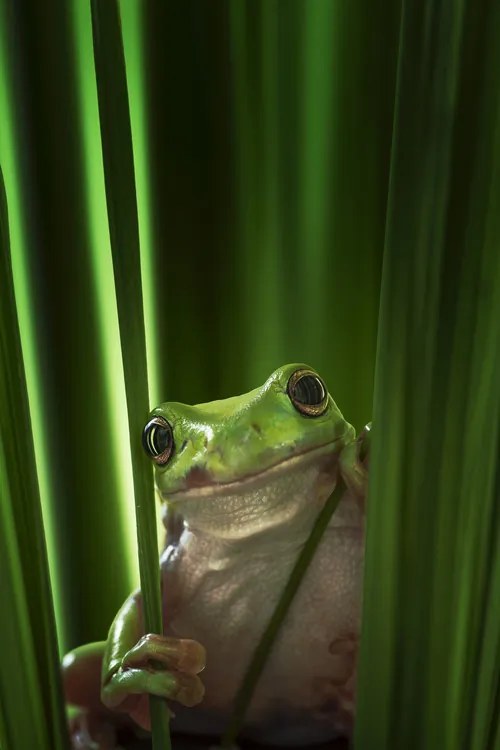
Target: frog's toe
(343, 652)
(336, 707)
(129, 689)
(336, 691)
(89, 732)
(179, 654)
(126, 683)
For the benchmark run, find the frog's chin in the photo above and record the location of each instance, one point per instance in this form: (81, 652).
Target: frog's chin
(286, 494)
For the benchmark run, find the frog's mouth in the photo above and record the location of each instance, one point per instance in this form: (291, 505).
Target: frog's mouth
(199, 482)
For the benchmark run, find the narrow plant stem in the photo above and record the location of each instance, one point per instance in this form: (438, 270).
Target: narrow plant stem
(121, 201)
(261, 653)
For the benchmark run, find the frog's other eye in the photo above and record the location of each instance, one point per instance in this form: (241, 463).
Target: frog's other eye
(157, 440)
(308, 393)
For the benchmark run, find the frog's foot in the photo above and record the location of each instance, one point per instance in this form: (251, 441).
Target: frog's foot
(89, 732)
(337, 691)
(91, 725)
(156, 665)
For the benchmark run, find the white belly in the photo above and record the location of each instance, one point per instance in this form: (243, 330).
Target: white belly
(304, 694)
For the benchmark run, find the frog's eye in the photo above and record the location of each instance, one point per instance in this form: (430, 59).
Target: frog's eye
(157, 440)
(308, 393)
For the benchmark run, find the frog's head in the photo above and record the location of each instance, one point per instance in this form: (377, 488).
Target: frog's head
(237, 466)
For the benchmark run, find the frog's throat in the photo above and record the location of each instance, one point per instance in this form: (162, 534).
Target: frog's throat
(215, 488)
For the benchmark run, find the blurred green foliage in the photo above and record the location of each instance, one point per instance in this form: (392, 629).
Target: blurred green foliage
(431, 631)
(262, 164)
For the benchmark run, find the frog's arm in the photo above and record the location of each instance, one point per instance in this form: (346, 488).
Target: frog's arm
(137, 664)
(124, 632)
(354, 464)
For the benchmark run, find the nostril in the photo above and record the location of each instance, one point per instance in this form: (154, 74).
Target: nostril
(184, 443)
(256, 428)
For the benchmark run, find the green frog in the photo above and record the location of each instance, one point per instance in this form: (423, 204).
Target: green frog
(243, 481)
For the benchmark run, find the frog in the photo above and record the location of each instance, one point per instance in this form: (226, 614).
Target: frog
(242, 481)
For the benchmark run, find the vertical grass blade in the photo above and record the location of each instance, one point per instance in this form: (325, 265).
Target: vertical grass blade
(30, 685)
(58, 310)
(132, 16)
(124, 235)
(430, 651)
(108, 333)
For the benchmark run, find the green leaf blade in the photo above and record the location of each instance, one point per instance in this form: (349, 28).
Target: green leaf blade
(124, 234)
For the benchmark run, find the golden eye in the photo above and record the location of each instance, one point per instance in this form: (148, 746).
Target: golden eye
(158, 440)
(308, 393)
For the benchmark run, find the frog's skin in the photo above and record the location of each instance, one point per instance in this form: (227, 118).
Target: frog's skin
(248, 475)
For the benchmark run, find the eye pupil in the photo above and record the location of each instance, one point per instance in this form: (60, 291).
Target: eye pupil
(309, 390)
(308, 393)
(157, 440)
